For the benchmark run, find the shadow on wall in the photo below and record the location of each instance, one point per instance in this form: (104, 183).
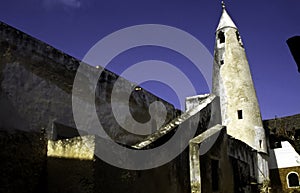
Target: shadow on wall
(276, 184)
(23, 162)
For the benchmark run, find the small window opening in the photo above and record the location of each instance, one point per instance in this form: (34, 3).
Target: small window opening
(260, 142)
(222, 62)
(215, 174)
(240, 114)
(238, 37)
(221, 37)
(293, 180)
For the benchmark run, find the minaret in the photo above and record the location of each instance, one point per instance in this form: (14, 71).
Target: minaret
(233, 85)
(232, 82)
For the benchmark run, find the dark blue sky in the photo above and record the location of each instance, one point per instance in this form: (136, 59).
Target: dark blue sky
(74, 26)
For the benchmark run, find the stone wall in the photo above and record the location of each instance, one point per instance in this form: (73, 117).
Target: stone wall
(244, 166)
(284, 128)
(36, 93)
(94, 175)
(216, 177)
(279, 180)
(36, 82)
(283, 125)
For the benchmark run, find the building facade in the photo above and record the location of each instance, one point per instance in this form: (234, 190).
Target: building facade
(284, 168)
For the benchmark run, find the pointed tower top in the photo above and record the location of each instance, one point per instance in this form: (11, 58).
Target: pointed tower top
(223, 5)
(225, 20)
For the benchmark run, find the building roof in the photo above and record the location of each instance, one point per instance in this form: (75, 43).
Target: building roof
(284, 157)
(225, 20)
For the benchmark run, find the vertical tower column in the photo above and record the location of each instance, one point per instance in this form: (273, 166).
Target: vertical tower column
(232, 83)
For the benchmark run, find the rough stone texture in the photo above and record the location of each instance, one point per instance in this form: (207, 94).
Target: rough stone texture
(284, 128)
(283, 125)
(23, 159)
(82, 148)
(279, 180)
(284, 159)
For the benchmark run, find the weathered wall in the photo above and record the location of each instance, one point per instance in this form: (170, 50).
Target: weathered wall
(237, 168)
(279, 180)
(232, 82)
(224, 174)
(283, 125)
(71, 165)
(82, 147)
(37, 81)
(172, 177)
(244, 164)
(35, 92)
(169, 178)
(95, 175)
(284, 128)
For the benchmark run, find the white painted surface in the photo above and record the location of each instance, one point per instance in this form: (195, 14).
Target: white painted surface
(284, 157)
(225, 21)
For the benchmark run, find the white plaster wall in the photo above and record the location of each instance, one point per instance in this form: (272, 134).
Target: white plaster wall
(194, 101)
(284, 157)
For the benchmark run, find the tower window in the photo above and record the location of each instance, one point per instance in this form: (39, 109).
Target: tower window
(293, 179)
(260, 142)
(221, 37)
(221, 62)
(240, 114)
(237, 36)
(215, 174)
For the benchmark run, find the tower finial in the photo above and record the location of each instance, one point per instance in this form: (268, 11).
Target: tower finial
(223, 5)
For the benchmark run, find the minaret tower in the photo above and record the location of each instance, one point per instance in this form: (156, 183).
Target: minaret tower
(232, 83)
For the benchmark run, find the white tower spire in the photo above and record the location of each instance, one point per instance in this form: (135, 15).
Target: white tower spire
(225, 20)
